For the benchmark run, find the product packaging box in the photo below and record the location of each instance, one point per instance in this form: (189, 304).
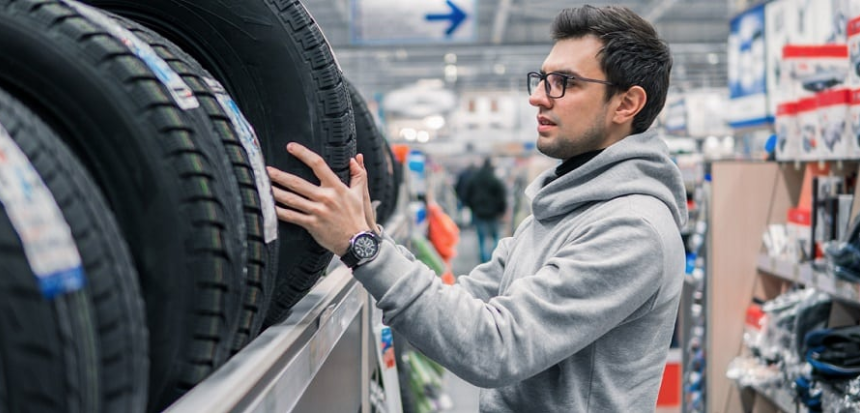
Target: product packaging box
(787, 132)
(807, 120)
(798, 228)
(853, 138)
(783, 25)
(810, 69)
(840, 14)
(833, 123)
(854, 52)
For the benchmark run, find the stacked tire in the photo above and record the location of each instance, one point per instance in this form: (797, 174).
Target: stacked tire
(144, 128)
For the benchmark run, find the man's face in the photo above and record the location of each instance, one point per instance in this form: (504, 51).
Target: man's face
(577, 122)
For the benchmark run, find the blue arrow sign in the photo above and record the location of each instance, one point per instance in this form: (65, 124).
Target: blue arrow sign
(456, 17)
(409, 22)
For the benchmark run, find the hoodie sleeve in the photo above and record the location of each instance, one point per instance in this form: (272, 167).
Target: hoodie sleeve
(592, 284)
(483, 282)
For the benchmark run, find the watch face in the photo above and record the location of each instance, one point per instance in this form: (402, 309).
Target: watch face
(365, 246)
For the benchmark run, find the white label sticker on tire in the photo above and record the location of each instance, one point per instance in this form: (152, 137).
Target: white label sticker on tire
(178, 89)
(249, 141)
(45, 234)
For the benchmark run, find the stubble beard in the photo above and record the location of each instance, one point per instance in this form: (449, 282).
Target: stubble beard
(565, 147)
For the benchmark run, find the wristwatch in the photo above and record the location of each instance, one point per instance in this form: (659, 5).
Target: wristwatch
(363, 248)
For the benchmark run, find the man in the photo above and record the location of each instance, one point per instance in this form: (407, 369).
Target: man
(486, 197)
(575, 311)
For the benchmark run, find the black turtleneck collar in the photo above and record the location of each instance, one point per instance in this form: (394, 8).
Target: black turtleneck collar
(571, 164)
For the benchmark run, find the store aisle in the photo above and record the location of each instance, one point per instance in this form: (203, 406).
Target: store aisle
(463, 395)
(467, 251)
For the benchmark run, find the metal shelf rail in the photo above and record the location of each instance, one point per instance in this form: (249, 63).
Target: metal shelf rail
(319, 359)
(273, 372)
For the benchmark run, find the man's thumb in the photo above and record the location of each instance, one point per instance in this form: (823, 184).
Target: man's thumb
(357, 174)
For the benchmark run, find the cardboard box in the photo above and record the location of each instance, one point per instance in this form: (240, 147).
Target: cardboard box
(787, 132)
(807, 120)
(853, 138)
(810, 69)
(833, 123)
(853, 32)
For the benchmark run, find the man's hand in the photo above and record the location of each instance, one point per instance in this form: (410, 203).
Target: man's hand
(331, 212)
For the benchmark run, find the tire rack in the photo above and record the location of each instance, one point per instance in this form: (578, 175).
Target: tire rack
(320, 359)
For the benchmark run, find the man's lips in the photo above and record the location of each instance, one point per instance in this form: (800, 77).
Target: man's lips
(544, 124)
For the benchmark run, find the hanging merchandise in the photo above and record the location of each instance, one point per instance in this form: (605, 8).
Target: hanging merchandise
(416, 165)
(418, 214)
(386, 362)
(426, 253)
(425, 384)
(442, 232)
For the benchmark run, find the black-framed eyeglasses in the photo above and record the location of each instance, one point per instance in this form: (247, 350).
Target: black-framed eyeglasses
(555, 84)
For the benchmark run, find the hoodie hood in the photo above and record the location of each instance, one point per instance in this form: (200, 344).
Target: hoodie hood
(638, 164)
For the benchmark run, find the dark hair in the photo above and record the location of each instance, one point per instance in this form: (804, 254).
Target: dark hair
(632, 54)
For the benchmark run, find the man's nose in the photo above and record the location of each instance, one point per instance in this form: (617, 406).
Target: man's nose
(539, 97)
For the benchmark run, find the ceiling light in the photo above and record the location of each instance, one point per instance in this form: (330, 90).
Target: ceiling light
(450, 58)
(434, 122)
(451, 73)
(713, 58)
(423, 136)
(408, 133)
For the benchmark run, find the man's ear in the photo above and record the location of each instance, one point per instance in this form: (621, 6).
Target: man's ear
(631, 102)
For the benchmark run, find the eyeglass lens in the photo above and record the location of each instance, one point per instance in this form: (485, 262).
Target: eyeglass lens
(554, 85)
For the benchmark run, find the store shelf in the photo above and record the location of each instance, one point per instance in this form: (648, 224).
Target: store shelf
(275, 371)
(781, 398)
(324, 344)
(803, 273)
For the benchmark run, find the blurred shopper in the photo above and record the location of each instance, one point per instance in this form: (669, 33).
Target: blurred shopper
(486, 197)
(460, 189)
(575, 311)
(463, 182)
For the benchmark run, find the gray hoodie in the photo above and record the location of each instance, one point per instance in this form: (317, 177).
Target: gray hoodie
(575, 311)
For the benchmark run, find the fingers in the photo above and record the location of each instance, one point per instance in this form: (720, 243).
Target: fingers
(292, 182)
(292, 200)
(277, 176)
(294, 217)
(357, 174)
(315, 162)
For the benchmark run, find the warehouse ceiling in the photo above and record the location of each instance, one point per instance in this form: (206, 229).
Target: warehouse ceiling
(512, 38)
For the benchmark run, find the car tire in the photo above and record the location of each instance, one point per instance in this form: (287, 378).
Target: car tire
(256, 191)
(159, 168)
(372, 144)
(274, 60)
(84, 350)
